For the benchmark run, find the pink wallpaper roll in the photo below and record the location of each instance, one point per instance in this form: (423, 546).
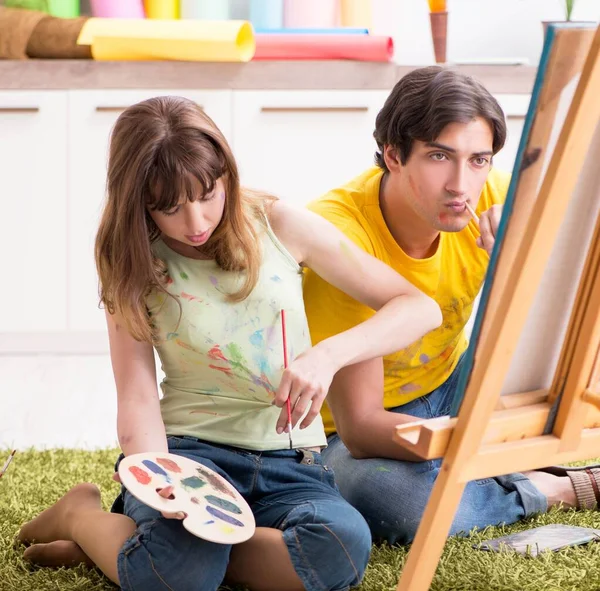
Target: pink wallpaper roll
(324, 47)
(117, 8)
(300, 14)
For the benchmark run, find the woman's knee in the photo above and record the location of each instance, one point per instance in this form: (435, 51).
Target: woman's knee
(162, 554)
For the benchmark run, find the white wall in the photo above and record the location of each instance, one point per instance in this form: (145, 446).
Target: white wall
(477, 29)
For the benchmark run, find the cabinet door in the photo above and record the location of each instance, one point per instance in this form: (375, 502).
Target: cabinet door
(515, 109)
(33, 198)
(92, 115)
(300, 144)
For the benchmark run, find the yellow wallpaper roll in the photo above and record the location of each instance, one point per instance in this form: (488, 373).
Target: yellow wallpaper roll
(154, 39)
(356, 13)
(163, 9)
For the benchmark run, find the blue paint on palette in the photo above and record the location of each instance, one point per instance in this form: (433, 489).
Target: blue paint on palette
(223, 504)
(223, 516)
(156, 469)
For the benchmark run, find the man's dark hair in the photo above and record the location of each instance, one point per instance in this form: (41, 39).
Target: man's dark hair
(426, 100)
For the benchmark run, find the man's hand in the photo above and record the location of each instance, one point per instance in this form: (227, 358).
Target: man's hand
(488, 226)
(163, 492)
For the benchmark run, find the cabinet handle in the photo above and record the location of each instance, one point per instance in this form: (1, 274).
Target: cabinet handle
(314, 109)
(19, 109)
(107, 109)
(117, 109)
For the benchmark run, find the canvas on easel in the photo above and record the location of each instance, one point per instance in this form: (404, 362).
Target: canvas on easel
(529, 392)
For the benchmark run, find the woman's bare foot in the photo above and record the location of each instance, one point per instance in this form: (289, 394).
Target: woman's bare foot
(55, 522)
(59, 553)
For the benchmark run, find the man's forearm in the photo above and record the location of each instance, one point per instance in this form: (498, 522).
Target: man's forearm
(374, 437)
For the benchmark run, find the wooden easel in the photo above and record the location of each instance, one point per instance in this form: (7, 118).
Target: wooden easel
(493, 434)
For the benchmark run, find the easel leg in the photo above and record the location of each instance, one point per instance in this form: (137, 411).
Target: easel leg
(427, 548)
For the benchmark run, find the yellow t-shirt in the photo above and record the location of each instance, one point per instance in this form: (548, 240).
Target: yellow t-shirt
(452, 276)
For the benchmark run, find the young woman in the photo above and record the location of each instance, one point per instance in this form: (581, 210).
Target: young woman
(191, 264)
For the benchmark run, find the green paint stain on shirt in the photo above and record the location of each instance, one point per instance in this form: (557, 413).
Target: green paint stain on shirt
(183, 275)
(234, 352)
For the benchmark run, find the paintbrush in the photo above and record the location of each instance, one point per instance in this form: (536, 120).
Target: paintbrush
(472, 212)
(285, 364)
(7, 463)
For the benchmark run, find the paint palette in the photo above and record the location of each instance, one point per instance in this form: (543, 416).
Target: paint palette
(215, 509)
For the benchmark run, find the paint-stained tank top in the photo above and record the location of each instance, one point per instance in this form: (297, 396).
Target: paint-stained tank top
(223, 360)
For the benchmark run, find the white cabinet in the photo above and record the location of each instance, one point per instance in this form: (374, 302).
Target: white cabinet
(33, 202)
(91, 117)
(515, 109)
(300, 144)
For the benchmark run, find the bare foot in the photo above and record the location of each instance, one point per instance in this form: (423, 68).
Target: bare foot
(558, 490)
(59, 553)
(55, 522)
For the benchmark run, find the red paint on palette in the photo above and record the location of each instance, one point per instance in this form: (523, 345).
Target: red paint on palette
(169, 465)
(140, 475)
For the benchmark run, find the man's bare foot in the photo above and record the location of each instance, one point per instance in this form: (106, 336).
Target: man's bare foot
(59, 553)
(55, 522)
(558, 490)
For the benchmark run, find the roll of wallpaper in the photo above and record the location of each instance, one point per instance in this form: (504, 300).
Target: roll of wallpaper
(300, 14)
(356, 13)
(324, 47)
(266, 14)
(335, 31)
(153, 39)
(213, 10)
(117, 8)
(161, 8)
(60, 8)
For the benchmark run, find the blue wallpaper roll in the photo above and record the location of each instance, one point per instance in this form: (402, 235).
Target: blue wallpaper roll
(266, 14)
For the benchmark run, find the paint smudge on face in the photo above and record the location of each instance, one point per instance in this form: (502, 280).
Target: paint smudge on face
(156, 469)
(224, 517)
(413, 186)
(215, 482)
(222, 195)
(140, 475)
(192, 482)
(214, 280)
(169, 465)
(223, 504)
(257, 340)
(183, 275)
(424, 358)
(276, 279)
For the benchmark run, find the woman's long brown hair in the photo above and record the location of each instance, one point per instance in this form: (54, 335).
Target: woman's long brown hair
(160, 149)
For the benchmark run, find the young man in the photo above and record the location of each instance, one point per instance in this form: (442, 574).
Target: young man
(437, 134)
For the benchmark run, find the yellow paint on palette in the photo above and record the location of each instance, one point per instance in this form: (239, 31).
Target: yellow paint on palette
(437, 5)
(356, 13)
(158, 39)
(227, 529)
(161, 9)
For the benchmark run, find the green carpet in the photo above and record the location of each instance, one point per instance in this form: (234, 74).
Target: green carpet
(36, 479)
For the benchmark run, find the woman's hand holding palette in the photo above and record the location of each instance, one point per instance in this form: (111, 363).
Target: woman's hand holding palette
(214, 509)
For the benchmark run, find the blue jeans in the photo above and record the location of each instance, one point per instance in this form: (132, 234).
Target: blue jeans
(328, 540)
(392, 494)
